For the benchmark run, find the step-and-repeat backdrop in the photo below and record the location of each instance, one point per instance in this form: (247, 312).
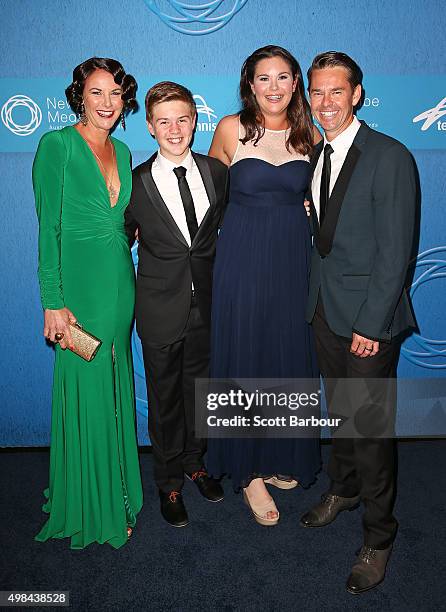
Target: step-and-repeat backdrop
(400, 46)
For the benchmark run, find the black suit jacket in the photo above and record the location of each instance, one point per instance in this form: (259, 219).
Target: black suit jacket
(362, 251)
(166, 264)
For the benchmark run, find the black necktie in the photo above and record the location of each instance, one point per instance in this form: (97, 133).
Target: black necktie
(188, 203)
(325, 183)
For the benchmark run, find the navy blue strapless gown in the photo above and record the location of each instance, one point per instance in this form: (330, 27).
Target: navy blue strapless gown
(258, 315)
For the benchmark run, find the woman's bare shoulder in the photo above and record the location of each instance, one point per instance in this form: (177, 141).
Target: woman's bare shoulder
(225, 140)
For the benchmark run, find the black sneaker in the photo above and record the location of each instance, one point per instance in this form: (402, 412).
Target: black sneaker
(173, 509)
(208, 487)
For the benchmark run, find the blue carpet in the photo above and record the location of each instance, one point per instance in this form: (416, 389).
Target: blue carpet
(223, 560)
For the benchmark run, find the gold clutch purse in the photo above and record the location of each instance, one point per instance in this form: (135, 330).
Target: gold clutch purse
(85, 345)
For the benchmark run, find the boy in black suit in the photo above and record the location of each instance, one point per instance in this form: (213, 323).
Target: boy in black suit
(177, 204)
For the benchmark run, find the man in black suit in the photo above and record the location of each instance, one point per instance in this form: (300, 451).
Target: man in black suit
(363, 211)
(177, 204)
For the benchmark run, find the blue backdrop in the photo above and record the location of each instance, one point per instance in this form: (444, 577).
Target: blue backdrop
(399, 44)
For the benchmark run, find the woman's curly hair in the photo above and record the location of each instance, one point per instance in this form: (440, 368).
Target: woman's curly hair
(80, 73)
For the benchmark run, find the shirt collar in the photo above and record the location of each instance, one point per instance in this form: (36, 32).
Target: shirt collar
(167, 166)
(345, 139)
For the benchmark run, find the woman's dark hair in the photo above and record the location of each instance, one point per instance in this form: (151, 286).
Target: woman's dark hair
(80, 73)
(298, 112)
(336, 59)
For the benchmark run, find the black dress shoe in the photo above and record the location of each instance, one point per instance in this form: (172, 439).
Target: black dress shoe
(369, 569)
(208, 487)
(173, 509)
(329, 508)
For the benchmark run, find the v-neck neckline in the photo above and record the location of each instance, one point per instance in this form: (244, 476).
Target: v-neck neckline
(104, 182)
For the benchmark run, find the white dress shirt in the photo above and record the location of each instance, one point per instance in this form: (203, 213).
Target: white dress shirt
(341, 144)
(167, 184)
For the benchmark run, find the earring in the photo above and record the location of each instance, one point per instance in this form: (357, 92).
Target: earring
(83, 117)
(122, 120)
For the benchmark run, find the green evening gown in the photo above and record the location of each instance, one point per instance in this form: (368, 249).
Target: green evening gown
(85, 264)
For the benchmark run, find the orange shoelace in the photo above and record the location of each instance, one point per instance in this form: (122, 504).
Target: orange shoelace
(173, 496)
(196, 475)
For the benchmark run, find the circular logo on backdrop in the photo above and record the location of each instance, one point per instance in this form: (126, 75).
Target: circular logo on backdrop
(195, 17)
(13, 115)
(422, 351)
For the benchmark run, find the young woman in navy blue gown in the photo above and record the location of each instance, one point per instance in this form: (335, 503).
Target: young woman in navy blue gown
(261, 269)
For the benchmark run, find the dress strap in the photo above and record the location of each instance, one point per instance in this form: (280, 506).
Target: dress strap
(234, 159)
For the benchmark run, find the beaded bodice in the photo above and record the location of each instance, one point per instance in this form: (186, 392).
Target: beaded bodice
(270, 148)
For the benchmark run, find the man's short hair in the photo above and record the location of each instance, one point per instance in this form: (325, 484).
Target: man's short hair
(336, 59)
(165, 92)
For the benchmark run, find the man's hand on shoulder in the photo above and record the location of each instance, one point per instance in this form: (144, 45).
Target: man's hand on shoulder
(363, 347)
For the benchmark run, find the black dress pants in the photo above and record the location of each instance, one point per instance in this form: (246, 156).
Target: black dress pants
(171, 371)
(363, 466)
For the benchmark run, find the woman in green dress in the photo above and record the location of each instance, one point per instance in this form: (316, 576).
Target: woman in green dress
(82, 185)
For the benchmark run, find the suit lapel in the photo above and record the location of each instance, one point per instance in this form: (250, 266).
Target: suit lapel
(158, 202)
(203, 167)
(313, 163)
(327, 231)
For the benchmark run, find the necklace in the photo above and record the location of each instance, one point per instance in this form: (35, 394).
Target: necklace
(113, 193)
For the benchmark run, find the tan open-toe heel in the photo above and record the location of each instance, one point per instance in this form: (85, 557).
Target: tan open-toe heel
(260, 511)
(281, 483)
